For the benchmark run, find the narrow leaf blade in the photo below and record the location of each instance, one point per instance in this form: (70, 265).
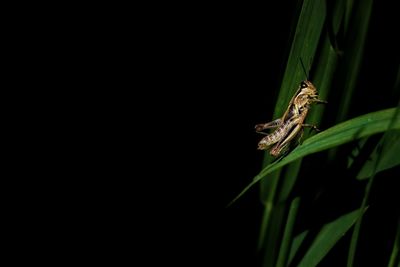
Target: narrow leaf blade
(329, 235)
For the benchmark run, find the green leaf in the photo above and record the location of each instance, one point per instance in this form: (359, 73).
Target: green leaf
(387, 138)
(297, 241)
(328, 237)
(389, 157)
(287, 234)
(305, 42)
(394, 256)
(304, 47)
(354, 54)
(362, 126)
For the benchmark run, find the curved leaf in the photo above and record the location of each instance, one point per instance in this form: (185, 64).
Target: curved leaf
(353, 129)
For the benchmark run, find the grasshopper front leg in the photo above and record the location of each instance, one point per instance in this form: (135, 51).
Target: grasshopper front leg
(311, 126)
(319, 101)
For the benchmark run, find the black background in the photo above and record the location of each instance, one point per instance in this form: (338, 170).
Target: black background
(181, 90)
(217, 74)
(146, 127)
(218, 70)
(223, 69)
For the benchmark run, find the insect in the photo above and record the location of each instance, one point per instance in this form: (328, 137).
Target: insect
(291, 123)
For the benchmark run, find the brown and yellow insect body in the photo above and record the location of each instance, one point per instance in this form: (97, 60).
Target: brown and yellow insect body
(276, 135)
(291, 123)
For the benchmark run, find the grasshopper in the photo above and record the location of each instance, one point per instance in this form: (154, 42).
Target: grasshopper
(292, 122)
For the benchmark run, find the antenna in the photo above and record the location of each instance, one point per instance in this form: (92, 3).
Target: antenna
(304, 69)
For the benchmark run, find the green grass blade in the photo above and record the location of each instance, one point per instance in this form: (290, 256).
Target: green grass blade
(380, 150)
(274, 238)
(287, 235)
(354, 52)
(327, 238)
(266, 219)
(356, 231)
(268, 192)
(394, 256)
(357, 17)
(288, 180)
(389, 157)
(362, 126)
(297, 241)
(348, 12)
(304, 45)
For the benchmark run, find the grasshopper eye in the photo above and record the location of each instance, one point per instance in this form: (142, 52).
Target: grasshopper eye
(303, 85)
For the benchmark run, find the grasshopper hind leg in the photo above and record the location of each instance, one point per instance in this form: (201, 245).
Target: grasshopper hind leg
(273, 124)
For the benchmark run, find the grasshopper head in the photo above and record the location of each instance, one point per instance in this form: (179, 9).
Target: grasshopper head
(306, 95)
(307, 88)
